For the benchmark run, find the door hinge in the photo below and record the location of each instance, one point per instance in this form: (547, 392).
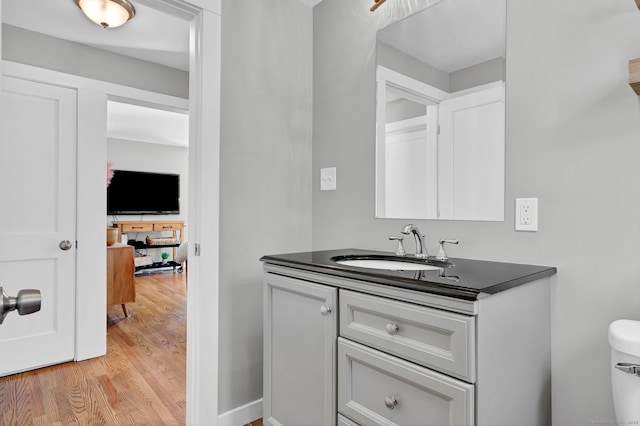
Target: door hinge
(196, 249)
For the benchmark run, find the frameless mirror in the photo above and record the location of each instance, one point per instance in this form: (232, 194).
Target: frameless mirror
(440, 113)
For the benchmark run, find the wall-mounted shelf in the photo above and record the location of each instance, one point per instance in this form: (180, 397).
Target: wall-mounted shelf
(634, 69)
(634, 74)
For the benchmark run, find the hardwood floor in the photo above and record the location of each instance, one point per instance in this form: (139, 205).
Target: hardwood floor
(141, 380)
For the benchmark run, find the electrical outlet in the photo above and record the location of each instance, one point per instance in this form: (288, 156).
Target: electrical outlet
(527, 214)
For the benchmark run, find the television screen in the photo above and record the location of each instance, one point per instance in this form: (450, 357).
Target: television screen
(143, 193)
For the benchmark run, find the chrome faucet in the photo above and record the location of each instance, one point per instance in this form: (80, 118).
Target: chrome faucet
(421, 249)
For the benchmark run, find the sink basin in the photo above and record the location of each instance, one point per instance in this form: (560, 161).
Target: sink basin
(388, 264)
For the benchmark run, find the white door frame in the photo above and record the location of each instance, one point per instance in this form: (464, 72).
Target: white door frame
(204, 166)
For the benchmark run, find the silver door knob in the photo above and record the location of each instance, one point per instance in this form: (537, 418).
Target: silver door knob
(27, 302)
(325, 310)
(392, 329)
(390, 402)
(65, 245)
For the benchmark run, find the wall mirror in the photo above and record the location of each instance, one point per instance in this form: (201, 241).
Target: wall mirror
(440, 113)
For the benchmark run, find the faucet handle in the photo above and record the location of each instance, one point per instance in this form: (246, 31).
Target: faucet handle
(442, 254)
(400, 251)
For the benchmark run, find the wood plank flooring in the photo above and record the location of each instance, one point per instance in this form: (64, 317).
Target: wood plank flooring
(141, 380)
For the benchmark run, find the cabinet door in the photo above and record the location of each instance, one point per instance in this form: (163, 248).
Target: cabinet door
(300, 331)
(120, 275)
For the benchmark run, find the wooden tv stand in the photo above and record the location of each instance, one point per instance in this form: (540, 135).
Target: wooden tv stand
(160, 226)
(174, 226)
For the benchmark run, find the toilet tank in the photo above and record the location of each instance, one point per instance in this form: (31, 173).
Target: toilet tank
(624, 338)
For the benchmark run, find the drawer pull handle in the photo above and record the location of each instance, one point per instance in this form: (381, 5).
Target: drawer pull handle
(390, 402)
(392, 329)
(137, 227)
(325, 310)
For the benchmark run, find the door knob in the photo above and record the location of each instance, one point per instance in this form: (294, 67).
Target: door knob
(65, 245)
(27, 302)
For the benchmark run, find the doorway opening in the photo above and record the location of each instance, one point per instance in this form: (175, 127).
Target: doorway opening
(204, 22)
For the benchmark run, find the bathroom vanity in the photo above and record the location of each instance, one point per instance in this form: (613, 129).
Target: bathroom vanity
(466, 342)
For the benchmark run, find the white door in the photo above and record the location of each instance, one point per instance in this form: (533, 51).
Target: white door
(471, 156)
(411, 168)
(37, 213)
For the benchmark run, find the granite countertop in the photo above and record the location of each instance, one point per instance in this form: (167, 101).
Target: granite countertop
(460, 278)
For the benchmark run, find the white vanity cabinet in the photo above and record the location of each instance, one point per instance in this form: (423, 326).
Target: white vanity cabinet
(347, 351)
(300, 331)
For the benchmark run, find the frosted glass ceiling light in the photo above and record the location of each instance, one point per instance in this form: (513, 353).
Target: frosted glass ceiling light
(107, 13)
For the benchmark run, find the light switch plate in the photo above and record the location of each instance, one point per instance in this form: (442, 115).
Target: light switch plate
(328, 179)
(527, 214)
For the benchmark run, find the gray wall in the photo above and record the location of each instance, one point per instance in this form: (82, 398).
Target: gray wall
(465, 78)
(397, 60)
(573, 141)
(265, 194)
(31, 48)
(476, 75)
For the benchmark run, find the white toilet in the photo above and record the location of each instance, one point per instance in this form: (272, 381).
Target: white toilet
(624, 338)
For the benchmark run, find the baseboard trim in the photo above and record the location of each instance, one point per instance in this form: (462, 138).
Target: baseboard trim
(241, 415)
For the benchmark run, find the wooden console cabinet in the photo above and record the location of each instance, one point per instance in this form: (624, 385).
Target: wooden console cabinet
(176, 227)
(120, 273)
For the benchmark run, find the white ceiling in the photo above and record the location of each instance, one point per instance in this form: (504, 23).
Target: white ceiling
(478, 28)
(310, 3)
(151, 35)
(143, 124)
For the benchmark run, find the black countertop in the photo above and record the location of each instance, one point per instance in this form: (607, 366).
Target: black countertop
(460, 278)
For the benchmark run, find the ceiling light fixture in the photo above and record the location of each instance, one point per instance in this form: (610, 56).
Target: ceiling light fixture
(107, 13)
(376, 4)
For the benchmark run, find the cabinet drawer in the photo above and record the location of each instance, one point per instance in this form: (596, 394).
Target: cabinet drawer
(137, 227)
(375, 388)
(166, 227)
(344, 421)
(430, 337)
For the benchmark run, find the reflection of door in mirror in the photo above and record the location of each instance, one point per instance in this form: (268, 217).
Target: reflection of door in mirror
(471, 155)
(440, 113)
(407, 152)
(440, 155)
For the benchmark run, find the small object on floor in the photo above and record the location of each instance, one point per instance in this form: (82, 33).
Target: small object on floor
(143, 260)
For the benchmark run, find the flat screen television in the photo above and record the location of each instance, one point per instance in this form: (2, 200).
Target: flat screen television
(143, 193)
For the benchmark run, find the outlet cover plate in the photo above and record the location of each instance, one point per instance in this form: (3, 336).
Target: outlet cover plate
(527, 214)
(328, 179)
